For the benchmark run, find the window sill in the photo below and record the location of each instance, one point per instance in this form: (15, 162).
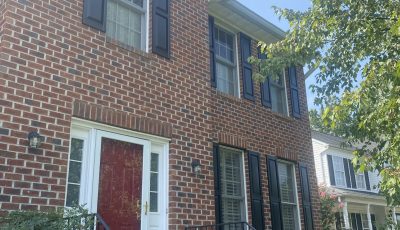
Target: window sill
(128, 47)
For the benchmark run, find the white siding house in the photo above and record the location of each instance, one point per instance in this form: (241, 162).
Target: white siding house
(363, 206)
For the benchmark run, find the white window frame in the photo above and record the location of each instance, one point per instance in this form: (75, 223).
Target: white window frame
(244, 203)
(364, 215)
(235, 65)
(296, 198)
(145, 20)
(335, 170)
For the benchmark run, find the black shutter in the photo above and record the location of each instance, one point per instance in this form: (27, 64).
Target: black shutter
(359, 223)
(95, 13)
(211, 44)
(367, 180)
(352, 174)
(274, 196)
(294, 92)
(306, 197)
(347, 172)
(265, 86)
(160, 28)
(217, 190)
(257, 210)
(331, 173)
(245, 48)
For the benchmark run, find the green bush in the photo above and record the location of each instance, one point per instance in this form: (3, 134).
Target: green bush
(76, 217)
(329, 206)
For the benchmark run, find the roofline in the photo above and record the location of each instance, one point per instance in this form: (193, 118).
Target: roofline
(253, 16)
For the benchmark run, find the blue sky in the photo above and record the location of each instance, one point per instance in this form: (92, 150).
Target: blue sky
(263, 8)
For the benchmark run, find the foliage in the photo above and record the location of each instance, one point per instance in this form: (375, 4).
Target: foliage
(355, 45)
(389, 224)
(70, 218)
(329, 206)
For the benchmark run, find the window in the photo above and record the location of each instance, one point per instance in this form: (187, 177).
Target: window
(74, 172)
(364, 221)
(338, 167)
(287, 186)
(154, 165)
(360, 180)
(226, 76)
(232, 187)
(126, 22)
(278, 94)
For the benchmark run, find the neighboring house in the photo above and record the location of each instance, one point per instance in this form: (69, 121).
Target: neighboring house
(150, 116)
(363, 206)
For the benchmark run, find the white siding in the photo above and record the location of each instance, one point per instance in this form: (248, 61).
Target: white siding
(318, 148)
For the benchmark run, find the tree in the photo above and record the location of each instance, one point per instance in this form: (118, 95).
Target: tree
(355, 46)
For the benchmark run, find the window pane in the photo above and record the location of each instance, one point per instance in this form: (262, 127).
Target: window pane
(338, 167)
(153, 181)
(226, 82)
(72, 195)
(360, 181)
(288, 216)
(231, 210)
(153, 202)
(74, 174)
(286, 182)
(154, 162)
(124, 23)
(76, 149)
(231, 185)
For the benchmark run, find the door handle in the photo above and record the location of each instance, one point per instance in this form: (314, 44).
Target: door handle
(146, 208)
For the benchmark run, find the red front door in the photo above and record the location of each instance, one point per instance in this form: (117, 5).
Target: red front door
(120, 184)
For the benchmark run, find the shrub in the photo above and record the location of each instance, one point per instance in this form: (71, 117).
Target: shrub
(76, 217)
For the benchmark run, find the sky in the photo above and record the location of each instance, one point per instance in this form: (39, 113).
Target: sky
(263, 8)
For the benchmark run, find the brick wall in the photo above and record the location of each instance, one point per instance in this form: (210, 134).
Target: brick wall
(52, 66)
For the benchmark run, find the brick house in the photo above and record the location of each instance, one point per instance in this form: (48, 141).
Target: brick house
(149, 115)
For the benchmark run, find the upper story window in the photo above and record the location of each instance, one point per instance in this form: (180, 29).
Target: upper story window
(338, 166)
(287, 186)
(126, 22)
(226, 76)
(360, 180)
(278, 95)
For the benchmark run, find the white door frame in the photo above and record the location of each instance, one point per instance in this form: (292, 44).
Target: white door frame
(91, 166)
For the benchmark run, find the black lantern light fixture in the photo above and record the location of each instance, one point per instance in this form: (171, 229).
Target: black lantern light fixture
(196, 167)
(34, 139)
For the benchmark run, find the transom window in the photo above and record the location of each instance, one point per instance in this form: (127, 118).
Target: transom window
(226, 76)
(338, 167)
(278, 94)
(287, 186)
(232, 187)
(126, 22)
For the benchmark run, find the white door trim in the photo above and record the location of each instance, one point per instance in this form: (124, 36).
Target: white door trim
(92, 133)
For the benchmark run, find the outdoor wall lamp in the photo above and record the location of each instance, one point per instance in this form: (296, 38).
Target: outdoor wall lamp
(34, 139)
(196, 167)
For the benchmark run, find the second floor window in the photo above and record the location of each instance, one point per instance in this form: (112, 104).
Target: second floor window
(360, 180)
(338, 167)
(278, 95)
(126, 22)
(226, 77)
